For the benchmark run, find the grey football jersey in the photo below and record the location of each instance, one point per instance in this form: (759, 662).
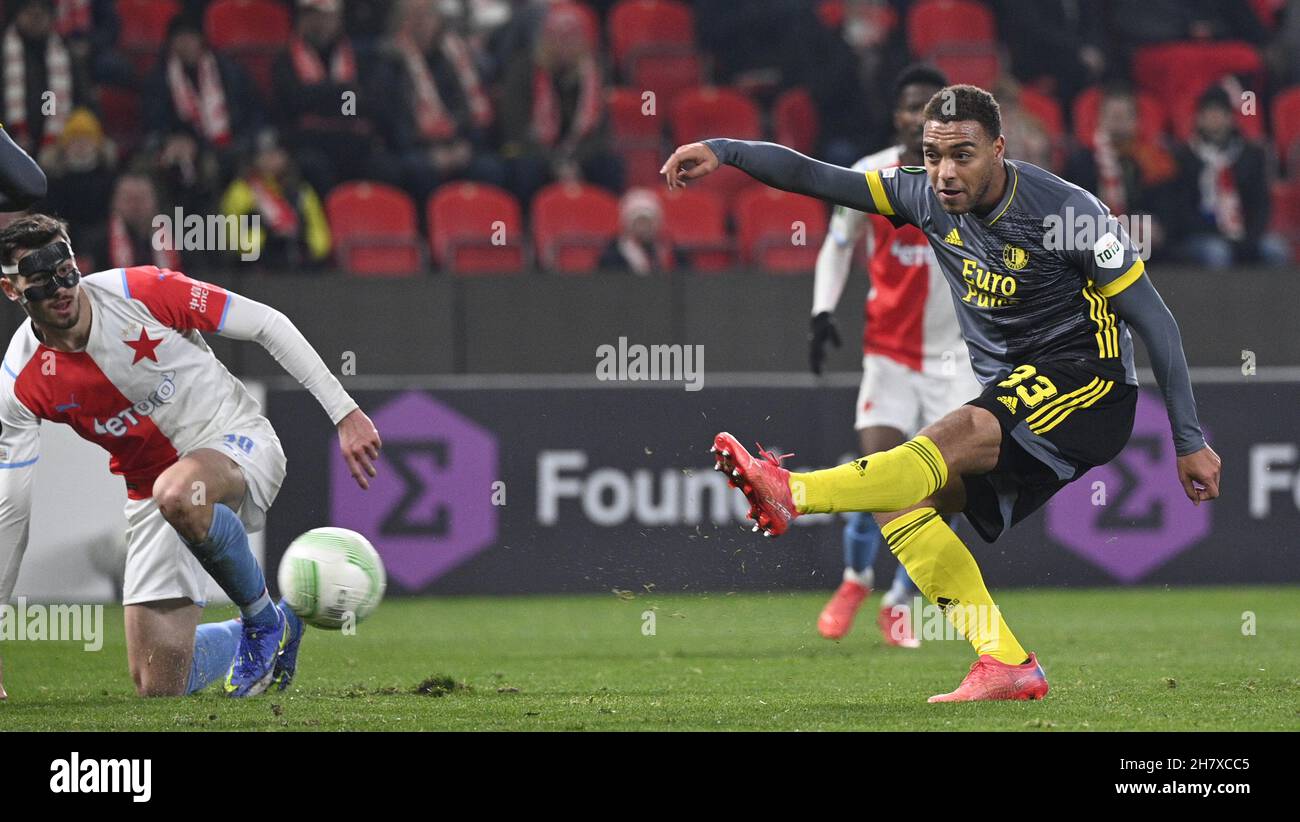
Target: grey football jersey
(1030, 279)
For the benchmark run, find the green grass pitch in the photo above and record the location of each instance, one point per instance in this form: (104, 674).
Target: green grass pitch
(1141, 659)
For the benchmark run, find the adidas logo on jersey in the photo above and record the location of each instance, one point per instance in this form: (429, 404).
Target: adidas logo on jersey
(954, 238)
(1009, 402)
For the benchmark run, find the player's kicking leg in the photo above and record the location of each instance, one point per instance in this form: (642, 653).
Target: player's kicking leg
(911, 486)
(198, 497)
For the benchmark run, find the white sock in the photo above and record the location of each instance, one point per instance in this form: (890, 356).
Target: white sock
(866, 579)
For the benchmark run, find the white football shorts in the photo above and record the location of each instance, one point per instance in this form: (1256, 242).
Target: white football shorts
(159, 565)
(899, 397)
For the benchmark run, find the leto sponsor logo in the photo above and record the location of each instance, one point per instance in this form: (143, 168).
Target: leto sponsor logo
(129, 776)
(664, 363)
(430, 507)
(32, 622)
(1131, 516)
(124, 420)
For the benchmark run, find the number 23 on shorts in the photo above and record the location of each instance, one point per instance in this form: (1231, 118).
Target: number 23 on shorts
(1031, 395)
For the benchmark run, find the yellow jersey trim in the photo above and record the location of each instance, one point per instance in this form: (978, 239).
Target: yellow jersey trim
(883, 208)
(1015, 178)
(1123, 281)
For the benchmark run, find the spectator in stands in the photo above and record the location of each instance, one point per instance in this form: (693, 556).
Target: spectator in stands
(641, 247)
(90, 28)
(1131, 175)
(1060, 41)
(201, 110)
(1028, 137)
(130, 238)
(292, 230)
(1220, 209)
(1135, 23)
(333, 120)
(854, 91)
(444, 115)
(41, 82)
(80, 169)
(553, 111)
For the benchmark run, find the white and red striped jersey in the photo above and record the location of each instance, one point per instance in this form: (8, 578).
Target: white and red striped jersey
(909, 312)
(146, 388)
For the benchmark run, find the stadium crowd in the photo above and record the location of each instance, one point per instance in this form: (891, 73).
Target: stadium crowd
(468, 136)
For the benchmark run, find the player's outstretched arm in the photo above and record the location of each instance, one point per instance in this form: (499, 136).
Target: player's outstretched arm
(21, 181)
(247, 319)
(773, 165)
(1140, 306)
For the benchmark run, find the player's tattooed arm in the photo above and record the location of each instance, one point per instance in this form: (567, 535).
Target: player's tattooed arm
(773, 165)
(1141, 307)
(21, 181)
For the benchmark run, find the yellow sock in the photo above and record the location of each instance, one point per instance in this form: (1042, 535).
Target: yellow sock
(885, 481)
(943, 568)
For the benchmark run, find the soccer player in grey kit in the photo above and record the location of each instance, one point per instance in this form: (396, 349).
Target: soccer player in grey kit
(1046, 284)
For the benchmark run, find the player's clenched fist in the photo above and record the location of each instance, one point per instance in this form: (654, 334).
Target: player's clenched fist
(1199, 474)
(360, 444)
(689, 162)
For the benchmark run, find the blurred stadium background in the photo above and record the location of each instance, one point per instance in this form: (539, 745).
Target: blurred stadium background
(449, 193)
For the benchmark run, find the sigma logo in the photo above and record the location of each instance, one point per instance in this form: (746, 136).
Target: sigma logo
(121, 422)
(908, 254)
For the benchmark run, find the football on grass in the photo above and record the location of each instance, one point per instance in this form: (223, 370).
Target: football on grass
(332, 577)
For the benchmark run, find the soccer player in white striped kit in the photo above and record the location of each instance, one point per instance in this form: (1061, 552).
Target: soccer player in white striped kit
(915, 367)
(119, 356)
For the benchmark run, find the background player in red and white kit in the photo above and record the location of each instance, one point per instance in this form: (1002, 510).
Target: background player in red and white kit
(915, 367)
(119, 356)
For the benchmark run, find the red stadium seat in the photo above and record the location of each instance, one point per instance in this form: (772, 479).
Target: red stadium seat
(643, 27)
(934, 25)
(637, 136)
(1285, 219)
(1172, 70)
(572, 224)
(958, 36)
(374, 228)
(1046, 109)
(667, 75)
(475, 228)
(770, 222)
(977, 65)
(696, 222)
(1087, 109)
(144, 28)
(716, 112)
(250, 32)
(794, 120)
(1286, 129)
(120, 112)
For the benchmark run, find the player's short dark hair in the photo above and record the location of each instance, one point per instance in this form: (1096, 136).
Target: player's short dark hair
(30, 231)
(964, 102)
(918, 74)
